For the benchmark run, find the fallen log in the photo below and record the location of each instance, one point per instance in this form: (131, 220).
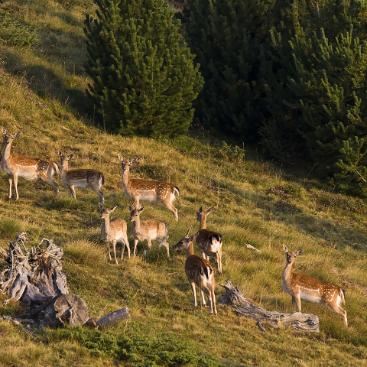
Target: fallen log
(34, 277)
(244, 307)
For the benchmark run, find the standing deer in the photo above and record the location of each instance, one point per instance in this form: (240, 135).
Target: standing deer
(81, 177)
(301, 286)
(148, 230)
(199, 273)
(149, 190)
(209, 242)
(28, 168)
(113, 232)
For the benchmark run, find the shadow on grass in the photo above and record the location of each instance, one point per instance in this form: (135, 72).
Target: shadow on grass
(47, 84)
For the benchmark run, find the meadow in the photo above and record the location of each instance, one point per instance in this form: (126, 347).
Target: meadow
(42, 94)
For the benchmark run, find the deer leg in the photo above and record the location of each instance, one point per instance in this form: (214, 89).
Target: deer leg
(293, 300)
(114, 251)
(219, 261)
(172, 209)
(203, 298)
(297, 298)
(16, 186)
(126, 243)
(10, 187)
(72, 191)
(109, 251)
(51, 181)
(135, 245)
(194, 291)
(211, 301)
(166, 245)
(214, 301)
(339, 310)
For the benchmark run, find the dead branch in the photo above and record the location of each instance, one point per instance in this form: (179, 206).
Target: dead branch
(244, 307)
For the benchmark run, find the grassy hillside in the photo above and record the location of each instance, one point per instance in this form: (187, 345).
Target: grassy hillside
(42, 93)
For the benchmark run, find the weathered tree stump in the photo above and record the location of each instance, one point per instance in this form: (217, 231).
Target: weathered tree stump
(34, 277)
(244, 307)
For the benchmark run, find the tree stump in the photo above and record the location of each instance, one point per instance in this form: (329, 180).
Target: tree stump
(34, 277)
(244, 307)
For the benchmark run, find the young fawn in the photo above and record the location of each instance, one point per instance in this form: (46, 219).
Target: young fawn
(209, 242)
(148, 230)
(83, 178)
(301, 286)
(113, 232)
(199, 273)
(148, 190)
(30, 169)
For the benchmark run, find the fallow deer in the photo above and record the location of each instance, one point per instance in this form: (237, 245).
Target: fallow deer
(148, 230)
(16, 166)
(148, 190)
(81, 177)
(113, 232)
(301, 286)
(199, 273)
(209, 242)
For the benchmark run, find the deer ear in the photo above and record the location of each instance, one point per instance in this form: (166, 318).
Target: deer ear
(113, 209)
(4, 131)
(299, 252)
(201, 209)
(209, 210)
(141, 209)
(285, 248)
(16, 134)
(71, 156)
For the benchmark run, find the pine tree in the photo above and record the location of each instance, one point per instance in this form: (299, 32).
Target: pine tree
(227, 37)
(144, 79)
(317, 89)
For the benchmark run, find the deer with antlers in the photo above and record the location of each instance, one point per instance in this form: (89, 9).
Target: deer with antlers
(81, 177)
(199, 273)
(113, 232)
(148, 190)
(16, 166)
(301, 286)
(148, 230)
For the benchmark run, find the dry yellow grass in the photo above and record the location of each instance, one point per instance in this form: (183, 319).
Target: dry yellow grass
(41, 93)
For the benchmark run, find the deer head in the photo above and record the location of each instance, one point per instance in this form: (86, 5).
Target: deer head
(106, 212)
(290, 257)
(134, 213)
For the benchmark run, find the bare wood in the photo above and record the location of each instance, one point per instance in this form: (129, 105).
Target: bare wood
(34, 277)
(112, 318)
(16, 166)
(148, 230)
(250, 247)
(113, 232)
(245, 307)
(148, 190)
(81, 177)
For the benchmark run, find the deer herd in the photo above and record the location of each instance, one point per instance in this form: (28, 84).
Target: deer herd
(199, 270)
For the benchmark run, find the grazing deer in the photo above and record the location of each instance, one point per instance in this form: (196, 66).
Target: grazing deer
(30, 169)
(301, 286)
(149, 190)
(81, 177)
(199, 273)
(148, 230)
(113, 232)
(209, 242)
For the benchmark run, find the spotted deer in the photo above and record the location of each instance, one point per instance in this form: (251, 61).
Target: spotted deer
(199, 273)
(301, 286)
(16, 166)
(113, 232)
(148, 190)
(209, 242)
(148, 230)
(81, 177)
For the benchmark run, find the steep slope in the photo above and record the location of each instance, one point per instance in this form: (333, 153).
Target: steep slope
(42, 93)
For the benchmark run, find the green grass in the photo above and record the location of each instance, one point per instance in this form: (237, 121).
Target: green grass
(42, 93)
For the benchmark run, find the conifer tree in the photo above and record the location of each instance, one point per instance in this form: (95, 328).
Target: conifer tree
(144, 78)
